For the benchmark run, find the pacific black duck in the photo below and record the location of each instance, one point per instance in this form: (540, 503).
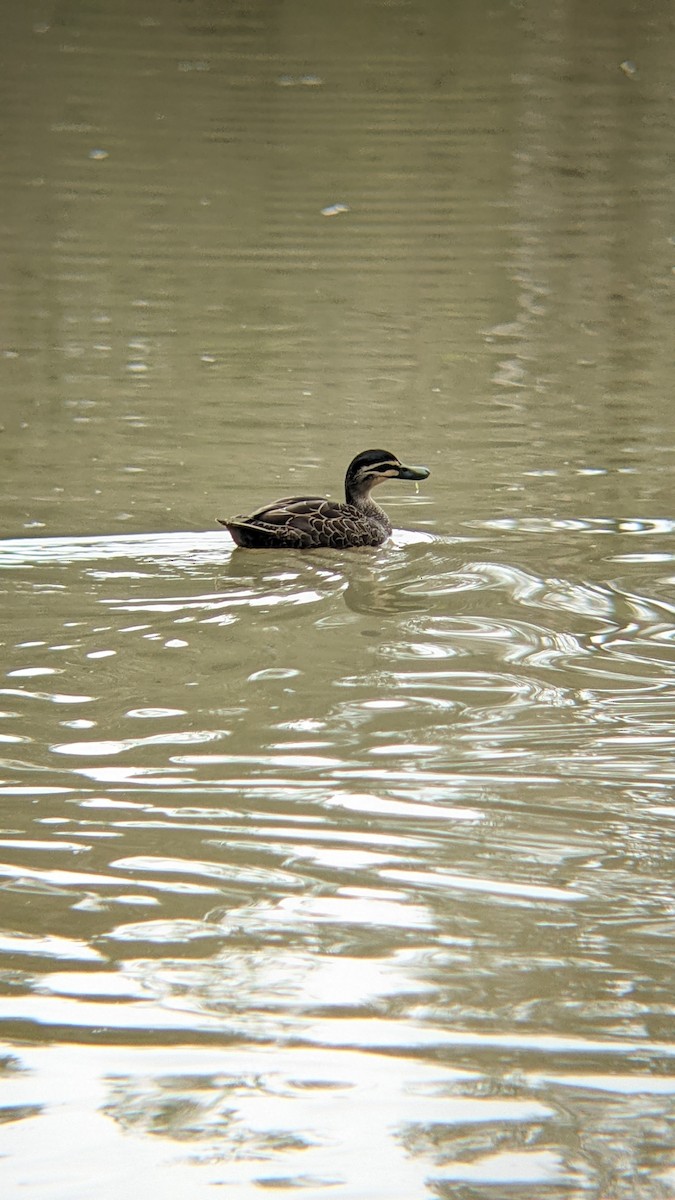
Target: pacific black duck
(303, 522)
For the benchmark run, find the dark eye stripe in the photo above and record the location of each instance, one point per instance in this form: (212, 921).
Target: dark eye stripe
(383, 468)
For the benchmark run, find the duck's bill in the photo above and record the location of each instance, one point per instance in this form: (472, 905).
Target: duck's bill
(413, 472)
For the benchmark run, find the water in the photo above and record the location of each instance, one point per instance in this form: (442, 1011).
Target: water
(337, 874)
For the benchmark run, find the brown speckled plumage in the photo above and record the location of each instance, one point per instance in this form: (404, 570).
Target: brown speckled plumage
(305, 522)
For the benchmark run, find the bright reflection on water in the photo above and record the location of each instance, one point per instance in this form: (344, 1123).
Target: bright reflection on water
(395, 909)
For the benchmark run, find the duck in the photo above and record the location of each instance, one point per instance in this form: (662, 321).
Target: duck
(307, 522)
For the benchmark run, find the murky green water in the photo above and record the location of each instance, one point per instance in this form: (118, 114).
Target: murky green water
(337, 874)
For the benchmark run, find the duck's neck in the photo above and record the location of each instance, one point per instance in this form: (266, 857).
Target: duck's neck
(362, 499)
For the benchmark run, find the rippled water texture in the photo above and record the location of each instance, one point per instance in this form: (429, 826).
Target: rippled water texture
(337, 874)
(393, 907)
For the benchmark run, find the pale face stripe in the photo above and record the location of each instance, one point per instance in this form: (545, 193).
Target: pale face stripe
(383, 469)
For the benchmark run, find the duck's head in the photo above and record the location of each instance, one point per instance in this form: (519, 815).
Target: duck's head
(371, 467)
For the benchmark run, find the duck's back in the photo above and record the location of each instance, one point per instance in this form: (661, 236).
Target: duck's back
(305, 522)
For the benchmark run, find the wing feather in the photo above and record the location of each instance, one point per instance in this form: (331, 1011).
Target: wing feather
(304, 522)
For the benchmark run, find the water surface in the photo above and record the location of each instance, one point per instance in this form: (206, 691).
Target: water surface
(337, 874)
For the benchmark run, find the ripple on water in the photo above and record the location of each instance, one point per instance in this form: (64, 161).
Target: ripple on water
(412, 802)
